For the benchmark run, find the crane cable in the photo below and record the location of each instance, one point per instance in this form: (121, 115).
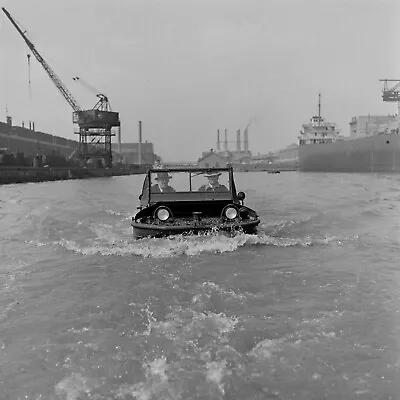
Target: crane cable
(28, 56)
(86, 85)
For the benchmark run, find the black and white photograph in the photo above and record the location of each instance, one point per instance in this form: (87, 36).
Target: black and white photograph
(200, 200)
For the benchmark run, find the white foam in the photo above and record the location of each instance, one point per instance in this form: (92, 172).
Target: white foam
(155, 386)
(109, 244)
(125, 215)
(73, 387)
(226, 292)
(216, 371)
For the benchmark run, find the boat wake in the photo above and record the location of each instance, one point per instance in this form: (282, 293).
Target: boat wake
(110, 245)
(113, 237)
(194, 349)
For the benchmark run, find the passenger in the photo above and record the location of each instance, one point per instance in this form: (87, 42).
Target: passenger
(162, 185)
(213, 184)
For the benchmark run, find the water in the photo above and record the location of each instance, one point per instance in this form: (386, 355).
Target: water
(307, 309)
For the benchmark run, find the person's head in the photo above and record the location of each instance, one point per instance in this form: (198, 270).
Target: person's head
(213, 177)
(162, 179)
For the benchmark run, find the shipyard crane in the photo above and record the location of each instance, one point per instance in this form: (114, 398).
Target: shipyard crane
(391, 94)
(95, 125)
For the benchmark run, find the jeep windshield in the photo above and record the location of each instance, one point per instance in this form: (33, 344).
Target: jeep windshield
(189, 181)
(188, 185)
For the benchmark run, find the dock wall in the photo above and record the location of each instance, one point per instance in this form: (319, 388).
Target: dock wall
(9, 175)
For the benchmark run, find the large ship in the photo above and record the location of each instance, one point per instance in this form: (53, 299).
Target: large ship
(373, 145)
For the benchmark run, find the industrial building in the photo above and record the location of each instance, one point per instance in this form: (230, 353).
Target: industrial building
(21, 139)
(240, 152)
(211, 159)
(26, 142)
(20, 145)
(224, 156)
(135, 153)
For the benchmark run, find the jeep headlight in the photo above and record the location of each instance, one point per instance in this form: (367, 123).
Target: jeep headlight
(230, 212)
(163, 214)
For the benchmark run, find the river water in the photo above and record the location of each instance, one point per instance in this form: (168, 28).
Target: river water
(309, 308)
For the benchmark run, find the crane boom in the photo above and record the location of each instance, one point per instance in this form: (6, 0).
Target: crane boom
(53, 76)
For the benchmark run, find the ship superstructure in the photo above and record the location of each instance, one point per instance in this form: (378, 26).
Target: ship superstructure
(319, 131)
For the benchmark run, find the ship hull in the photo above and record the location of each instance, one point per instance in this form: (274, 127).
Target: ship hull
(379, 153)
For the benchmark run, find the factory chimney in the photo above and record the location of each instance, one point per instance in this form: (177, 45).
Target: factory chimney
(140, 144)
(218, 142)
(246, 141)
(238, 140)
(226, 140)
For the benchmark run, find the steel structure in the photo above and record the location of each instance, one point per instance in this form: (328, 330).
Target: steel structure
(95, 125)
(390, 94)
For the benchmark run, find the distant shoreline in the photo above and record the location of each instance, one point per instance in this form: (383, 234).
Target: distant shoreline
(12, 175)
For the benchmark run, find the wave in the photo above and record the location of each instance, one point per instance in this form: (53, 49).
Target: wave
(191, 245)
(125, 215)
(193, 351)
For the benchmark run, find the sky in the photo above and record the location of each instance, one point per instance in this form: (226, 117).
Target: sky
(186, 68)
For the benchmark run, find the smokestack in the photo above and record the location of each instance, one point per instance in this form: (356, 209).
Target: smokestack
(119, 143)
(218, 142)
(30, 125)
(226, 140)
(238, 140)
(246, 141)
(140, 144)
(33, 126)
(23, 124)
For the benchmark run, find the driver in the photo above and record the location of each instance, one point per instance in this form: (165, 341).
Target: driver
(162, 185)
(213, 184)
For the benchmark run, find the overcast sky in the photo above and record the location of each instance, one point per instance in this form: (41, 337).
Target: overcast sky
(188, 67)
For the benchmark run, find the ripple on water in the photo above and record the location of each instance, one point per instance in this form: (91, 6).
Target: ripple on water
(305, 309)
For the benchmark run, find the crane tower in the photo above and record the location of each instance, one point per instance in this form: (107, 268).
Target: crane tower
(391, 94)
(95, 125)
